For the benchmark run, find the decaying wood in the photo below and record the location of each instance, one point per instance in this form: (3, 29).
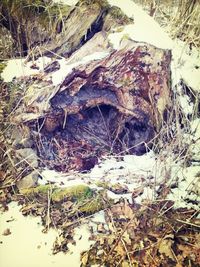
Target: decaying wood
(110, 105)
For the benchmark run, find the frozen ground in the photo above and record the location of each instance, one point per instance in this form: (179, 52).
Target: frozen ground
(27, 245)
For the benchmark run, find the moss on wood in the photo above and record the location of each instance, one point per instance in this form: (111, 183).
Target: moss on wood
(77, 192)
(74, 192)
(93, 205)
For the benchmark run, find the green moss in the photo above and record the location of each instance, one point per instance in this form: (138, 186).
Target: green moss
(92, 206)
(58, 194)
(2, 66)
(118, 14)
(39, 190)
(15, 93)
(105, 185)
(98, 202)
(84, 199)
(74, 192)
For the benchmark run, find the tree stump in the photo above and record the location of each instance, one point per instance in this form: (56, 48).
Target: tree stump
(112, 104)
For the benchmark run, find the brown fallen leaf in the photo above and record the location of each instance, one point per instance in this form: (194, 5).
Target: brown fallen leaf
(120, 250)
(165, 247)
(101, 228)
(2, 176)
(111, 239)
(190, 252)
(126, 238)
(119, 189)
(84, 258)
(125, 264)
(137, 192)
(128, 211)
(3, 196)
(6, 232)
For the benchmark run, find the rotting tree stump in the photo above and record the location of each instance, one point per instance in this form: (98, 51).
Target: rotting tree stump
(112, 105)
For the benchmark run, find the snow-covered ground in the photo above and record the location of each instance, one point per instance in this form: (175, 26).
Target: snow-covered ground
(185, 65)
(18, 67)
(130, 173)
(144, 29)
(27, 245)
(133, 172)
(187, 192)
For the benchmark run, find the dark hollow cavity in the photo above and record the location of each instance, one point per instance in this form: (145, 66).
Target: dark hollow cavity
(89, 134)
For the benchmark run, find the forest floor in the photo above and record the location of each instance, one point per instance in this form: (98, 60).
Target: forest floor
(126, 211)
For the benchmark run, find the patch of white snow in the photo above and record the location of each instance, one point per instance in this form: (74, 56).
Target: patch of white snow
(185, 65)
(195, 128)
(28, 246)
(142, 165)
(145, 28)
(66, 67)
(187, 192)
(66, 2)
(63, 179)
(18, 68)
(186, 105)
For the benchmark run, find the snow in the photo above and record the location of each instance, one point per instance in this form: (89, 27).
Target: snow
(59, 179)
(28, 246)
(195, 128)
(142, 165)
(66, 67)
(185, 103)
(133, 171)
(188, 190)
(66, 2)
(62, 179)
(18, 67)
(185, 65)
(130, 171)
(144, 29)
(187, 107)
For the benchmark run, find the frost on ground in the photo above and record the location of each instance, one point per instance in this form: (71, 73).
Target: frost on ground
(135, 178)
